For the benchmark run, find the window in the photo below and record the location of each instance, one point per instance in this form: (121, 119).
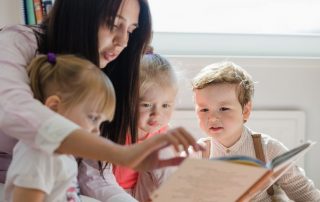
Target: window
(237, 16)
(288, 28)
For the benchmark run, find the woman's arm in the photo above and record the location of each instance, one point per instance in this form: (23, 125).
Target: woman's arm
(21, 116)
(149, 181)
(27, 195)
(141, 156)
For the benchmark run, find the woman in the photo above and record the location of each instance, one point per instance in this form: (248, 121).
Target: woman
(110, 33)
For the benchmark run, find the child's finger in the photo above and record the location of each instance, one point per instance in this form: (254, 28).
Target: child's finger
(171, 162)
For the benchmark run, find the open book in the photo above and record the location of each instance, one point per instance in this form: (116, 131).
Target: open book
(235, 178)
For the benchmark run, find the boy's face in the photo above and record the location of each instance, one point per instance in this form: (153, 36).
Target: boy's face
(155, 109)
(220, 113)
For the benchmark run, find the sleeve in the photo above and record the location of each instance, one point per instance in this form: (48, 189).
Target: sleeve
(162, 174)
(294, 182)
(297, 186)
(21, 116)
(32, 169)
(93, 185)
(151, 180)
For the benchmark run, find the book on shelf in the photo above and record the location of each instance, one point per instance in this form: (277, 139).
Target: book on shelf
(38, 11)
(31, 18)
(234, 178)
(34, 11)
(46, 6)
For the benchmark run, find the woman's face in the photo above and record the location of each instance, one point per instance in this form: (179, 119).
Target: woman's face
(111, 43)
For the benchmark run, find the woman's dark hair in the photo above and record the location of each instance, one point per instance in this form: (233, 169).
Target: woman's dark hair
(72, 28)
(127, 84)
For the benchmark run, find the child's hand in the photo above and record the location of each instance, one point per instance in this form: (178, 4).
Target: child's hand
(145, 155)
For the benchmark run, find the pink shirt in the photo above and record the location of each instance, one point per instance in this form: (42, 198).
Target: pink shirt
(126, 177)
(21, 116)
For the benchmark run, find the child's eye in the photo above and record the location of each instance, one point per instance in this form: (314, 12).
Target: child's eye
(93, 118)
(131, 29)
(146, 105)
(165, 105)
(223, 109)
(203, 110)
(115, 27)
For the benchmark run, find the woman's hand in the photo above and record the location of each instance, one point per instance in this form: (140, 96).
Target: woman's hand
(142, 156)
(145, 155)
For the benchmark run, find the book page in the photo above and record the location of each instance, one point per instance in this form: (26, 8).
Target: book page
(199, 180)
(290, 156)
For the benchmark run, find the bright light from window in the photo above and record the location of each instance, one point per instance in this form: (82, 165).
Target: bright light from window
(237, 16)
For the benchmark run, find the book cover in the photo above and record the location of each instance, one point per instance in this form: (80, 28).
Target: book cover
(235, 178)
(46, 7)
(24, 11)
(38, 11)
(30, 17)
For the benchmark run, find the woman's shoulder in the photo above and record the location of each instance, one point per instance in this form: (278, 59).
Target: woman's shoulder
(19, 33)
(19, 44)
(16, 29)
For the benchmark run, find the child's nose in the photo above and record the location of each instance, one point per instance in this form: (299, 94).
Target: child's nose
(155, 111)
(214, 116)
(95, 131)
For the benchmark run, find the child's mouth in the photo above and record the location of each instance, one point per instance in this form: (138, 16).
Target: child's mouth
(152, 123)
(215, 129)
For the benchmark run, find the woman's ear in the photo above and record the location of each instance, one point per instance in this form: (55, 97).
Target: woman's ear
(53, 102)
(246, 111)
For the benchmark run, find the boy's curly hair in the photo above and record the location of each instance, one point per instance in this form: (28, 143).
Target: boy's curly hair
(226, 73)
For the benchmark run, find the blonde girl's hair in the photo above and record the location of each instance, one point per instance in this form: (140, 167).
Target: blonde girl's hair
(74, 80)
(226, 73)
(156, 70)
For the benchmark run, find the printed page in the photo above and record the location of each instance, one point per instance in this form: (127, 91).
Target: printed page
(199, 180)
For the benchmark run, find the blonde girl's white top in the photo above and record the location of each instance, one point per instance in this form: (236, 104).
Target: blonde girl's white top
(53, 174)
(294, 182)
